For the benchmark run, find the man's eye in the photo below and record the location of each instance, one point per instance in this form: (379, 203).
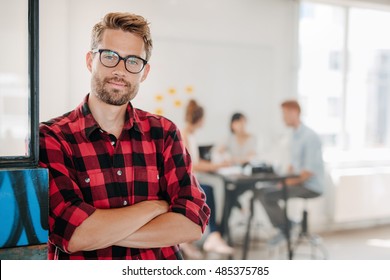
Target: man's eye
(110, 57)
(133, 61)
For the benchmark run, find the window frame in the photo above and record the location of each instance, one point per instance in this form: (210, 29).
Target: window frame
(33, 100)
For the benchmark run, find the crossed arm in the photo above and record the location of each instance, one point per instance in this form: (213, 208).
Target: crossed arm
(147, 224)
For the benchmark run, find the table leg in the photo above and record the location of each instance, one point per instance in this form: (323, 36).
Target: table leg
(228, 204)
(248, 228)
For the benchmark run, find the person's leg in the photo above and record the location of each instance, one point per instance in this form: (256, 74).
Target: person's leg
(210, 201)
(214, 241)
(270, 197)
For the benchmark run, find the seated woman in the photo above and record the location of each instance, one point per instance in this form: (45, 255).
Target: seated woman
(214, 241)
(241, 145)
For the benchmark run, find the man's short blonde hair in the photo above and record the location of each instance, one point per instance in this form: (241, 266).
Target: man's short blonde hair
(126, 22)
(292, 105)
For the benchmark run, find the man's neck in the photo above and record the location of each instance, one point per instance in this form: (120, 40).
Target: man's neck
(111, 118)
(296, 125)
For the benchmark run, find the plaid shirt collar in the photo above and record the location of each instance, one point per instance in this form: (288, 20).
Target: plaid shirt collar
(90, 125)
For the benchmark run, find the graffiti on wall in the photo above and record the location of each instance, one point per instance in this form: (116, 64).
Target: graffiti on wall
(23, 207)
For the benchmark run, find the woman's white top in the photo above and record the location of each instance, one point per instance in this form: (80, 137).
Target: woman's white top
(192, 147)
(241, 151)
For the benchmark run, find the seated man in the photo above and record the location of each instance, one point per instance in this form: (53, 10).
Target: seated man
(306, 160)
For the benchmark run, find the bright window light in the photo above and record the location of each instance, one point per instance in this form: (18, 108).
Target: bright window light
(344, 75)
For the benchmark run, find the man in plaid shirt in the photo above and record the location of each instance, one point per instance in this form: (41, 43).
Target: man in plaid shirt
(121, 181)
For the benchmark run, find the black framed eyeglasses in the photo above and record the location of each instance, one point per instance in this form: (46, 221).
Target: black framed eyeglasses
(110, 59)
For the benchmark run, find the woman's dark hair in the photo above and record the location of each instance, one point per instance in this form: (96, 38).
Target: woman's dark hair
(235, 117)
(194, 112)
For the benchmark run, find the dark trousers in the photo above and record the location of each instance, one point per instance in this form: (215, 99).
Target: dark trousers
(270, 196)
(208, 190)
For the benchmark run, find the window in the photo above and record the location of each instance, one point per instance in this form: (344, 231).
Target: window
(344, 75)
(19, 84)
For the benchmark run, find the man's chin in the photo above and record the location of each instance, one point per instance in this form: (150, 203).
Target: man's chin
(117, 102)
(115, 98)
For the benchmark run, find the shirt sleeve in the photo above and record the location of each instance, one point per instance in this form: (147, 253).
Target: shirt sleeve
(186, 196)
(67, 210)
(312, 155)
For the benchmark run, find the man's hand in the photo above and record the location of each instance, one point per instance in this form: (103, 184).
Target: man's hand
(161, 206)
(105, 227)
(303, 176)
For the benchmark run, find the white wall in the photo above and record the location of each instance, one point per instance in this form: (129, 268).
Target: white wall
(54, 80)
(196, 43)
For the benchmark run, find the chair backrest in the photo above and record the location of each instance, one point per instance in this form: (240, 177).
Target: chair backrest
(205, 152)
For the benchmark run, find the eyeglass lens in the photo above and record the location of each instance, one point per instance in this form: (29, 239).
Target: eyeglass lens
(133, 64)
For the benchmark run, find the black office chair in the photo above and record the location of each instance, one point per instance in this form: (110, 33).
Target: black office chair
(313, 240)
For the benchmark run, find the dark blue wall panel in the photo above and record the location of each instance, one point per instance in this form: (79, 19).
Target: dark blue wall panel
(23, 207)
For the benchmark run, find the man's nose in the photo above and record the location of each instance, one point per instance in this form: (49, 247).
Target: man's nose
(120, 69)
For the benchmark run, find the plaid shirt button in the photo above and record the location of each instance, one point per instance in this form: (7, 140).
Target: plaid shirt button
(119, 172)
(87, 180)
(125, 203)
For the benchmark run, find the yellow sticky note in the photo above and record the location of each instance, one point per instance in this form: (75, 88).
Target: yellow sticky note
(159, 97)
(159, 111)
(177, 103)
(172, 91)
(189, 89)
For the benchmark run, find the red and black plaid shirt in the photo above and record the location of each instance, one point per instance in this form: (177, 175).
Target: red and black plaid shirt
(90, 169)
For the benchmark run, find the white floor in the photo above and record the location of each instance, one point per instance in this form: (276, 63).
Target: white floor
(363, 244)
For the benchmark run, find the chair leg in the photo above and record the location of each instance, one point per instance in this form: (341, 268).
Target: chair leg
(314, 240)
(304, 226)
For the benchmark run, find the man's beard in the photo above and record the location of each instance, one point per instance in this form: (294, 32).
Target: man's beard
(113, 96)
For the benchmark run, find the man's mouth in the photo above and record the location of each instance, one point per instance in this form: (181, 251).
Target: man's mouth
(117, 83)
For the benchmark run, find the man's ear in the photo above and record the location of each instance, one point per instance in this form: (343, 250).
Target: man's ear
(89, 60)
(146, 72)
